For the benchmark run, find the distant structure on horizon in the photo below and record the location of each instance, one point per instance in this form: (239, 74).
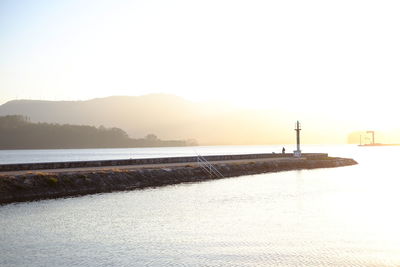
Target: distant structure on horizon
(373, 136)
(372, 143)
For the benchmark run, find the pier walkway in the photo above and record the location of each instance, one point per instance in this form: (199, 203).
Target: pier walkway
(143, 166)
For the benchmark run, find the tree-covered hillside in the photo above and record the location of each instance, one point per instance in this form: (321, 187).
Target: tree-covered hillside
(17, 132)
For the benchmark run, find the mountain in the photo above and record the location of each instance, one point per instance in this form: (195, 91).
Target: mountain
(172, 117)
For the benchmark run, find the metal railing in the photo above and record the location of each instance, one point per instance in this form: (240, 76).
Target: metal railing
(208, 167)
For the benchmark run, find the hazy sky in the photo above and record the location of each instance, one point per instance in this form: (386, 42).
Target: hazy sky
(339, 58)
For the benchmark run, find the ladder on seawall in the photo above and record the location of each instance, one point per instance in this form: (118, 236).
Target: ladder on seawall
(208, 167)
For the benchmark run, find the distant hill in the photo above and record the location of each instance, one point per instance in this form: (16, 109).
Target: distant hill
(17, 132)
(172, 117)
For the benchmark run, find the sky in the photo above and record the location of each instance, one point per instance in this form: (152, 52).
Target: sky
(339, 59)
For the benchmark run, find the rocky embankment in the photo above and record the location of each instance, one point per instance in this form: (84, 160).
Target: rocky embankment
(35, 185)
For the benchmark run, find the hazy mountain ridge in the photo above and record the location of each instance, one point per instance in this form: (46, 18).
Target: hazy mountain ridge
(170, 117)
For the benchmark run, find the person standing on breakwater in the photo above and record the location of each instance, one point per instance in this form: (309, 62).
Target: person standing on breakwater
(283, 150)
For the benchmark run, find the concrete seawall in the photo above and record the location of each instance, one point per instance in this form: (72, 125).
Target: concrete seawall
(33, 185)
(122, 162)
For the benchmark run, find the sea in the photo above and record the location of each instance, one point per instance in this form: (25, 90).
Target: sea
(346, 216)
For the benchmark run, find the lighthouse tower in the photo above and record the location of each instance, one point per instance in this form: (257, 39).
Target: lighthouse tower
(297, 152)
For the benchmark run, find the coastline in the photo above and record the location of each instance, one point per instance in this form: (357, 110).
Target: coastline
(27, 185)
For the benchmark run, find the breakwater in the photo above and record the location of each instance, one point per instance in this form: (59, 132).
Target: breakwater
(37, 184)
(167, 160)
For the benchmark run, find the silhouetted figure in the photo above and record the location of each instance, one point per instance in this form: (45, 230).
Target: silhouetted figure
(283, 150)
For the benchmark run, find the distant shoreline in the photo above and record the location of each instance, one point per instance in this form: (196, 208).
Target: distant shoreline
(121, 147)
(377, 144)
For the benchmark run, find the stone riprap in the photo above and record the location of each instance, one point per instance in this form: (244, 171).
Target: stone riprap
(36, 184)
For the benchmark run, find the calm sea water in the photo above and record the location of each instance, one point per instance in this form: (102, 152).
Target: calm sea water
(346, 216)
